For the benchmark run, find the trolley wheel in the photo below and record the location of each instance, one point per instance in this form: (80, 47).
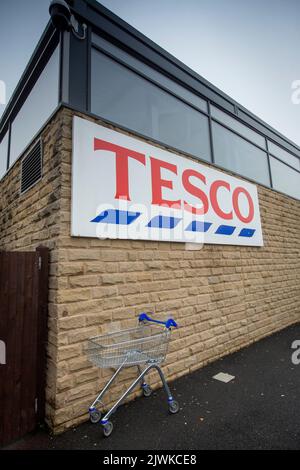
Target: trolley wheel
(108, 428)
(95, 416)
(147, 390)
(173, 407)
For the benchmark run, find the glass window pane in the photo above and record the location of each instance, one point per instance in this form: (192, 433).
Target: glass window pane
(284, 155)
(123, 97)
(3, 154)
(160, 78)
(37, 108)
(285, 179)
(234, 153)
(237, 126)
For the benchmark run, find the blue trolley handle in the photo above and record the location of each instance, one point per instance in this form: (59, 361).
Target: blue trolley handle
(168, 324)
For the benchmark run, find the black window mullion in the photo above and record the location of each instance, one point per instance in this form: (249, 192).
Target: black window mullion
(269, 163)
(8, 146)
(89, 68)
(210, 134)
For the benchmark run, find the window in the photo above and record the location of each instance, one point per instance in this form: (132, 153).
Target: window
(37, 108)
(284, 178)
(123, 97)
(238, 126)
(3, 154)
(234, 153)
(151, 73)
(284, 155)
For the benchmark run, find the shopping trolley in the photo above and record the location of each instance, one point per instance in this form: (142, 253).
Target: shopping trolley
(144, 347)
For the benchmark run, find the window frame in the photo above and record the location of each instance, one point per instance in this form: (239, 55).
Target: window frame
(208, 114)
(153, 82)
(284, 164)
(261, 149)
(21, 108)
(280, 159)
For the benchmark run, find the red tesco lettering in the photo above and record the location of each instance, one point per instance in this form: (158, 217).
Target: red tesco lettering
(206, 198)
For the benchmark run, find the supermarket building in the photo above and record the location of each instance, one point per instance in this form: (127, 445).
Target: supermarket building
(103, 115)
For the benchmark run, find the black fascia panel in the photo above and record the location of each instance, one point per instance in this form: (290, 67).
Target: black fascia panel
(78, 72)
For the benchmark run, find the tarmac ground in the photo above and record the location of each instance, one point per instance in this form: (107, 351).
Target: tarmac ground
(258, 409)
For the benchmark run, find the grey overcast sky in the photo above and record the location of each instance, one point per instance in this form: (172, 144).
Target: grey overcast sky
(249, 49)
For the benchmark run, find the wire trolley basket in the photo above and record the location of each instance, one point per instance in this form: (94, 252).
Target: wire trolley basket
(140, 345)
(144, 346)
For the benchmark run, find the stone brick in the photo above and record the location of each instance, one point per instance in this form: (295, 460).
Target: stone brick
(104, 291)
(113, 302)
(83, 254)
(70, 269)
(98, 318)
(78, 363)
(121, 313)
(84, 281)
(95, 267)
(131, 266)
(70, 323)
(67, 352)
(81, 334)
(73, 295)
(80, 391)
(114, 278)
(65, 383)
(113, 255)
(86, 376)
(136, 299)
(126, 289)
(78, 308)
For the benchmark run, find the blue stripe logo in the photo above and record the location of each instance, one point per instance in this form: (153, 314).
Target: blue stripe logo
(197, 226)
(247, 232)
(121, 217)
(162, 221)
(225, 230)
(117, 217)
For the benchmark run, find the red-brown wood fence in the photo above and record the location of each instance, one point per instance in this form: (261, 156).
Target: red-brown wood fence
(23, 337)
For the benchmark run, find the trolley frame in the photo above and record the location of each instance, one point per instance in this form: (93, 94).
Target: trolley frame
(150, 363)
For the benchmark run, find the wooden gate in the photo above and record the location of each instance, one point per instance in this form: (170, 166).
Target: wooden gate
(23, 335)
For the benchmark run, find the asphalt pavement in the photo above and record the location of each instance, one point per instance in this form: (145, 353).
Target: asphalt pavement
(258, 409)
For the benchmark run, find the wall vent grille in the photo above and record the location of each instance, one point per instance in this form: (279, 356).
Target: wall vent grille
(31, 168)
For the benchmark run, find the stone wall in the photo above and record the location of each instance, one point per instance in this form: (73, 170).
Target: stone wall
(223, 297)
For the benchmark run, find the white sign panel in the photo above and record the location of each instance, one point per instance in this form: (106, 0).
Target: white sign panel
(123, 187)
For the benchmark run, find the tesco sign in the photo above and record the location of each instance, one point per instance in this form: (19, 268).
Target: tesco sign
(123, 187)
